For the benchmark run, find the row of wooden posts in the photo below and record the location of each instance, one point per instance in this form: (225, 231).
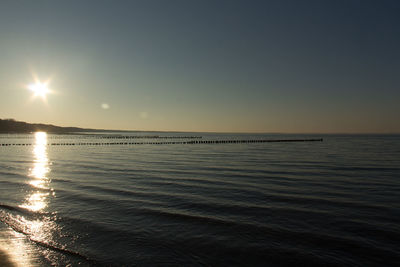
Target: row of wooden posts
(171, 143)
(106, 137)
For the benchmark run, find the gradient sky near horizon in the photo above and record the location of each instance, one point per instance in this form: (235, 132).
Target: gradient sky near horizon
(225, 66)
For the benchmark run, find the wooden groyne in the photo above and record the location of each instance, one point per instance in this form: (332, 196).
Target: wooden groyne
(107, 137)
(192, 142)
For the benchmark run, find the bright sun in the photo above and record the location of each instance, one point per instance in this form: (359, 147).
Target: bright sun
(40, 89)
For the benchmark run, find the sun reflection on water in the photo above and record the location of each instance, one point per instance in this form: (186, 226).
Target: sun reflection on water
(38, 200)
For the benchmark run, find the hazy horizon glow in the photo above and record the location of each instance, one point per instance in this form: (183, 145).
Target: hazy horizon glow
(213, 66)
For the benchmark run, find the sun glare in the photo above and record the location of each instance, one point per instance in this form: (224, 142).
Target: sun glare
(39, 89)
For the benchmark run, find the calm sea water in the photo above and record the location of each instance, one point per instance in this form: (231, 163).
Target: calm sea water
(330, 203)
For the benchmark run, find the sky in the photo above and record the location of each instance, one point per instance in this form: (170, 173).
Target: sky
(283, 66)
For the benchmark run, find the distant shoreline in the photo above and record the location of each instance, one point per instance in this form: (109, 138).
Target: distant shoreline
(11, 126)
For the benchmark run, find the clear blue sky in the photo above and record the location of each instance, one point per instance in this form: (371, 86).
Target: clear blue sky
(230, 66)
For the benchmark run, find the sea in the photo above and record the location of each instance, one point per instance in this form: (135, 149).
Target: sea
(163, 199)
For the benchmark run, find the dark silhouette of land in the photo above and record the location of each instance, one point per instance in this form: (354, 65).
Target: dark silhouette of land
(13, 126)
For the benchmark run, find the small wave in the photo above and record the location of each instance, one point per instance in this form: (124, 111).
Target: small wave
(369, 169)
(21, 210)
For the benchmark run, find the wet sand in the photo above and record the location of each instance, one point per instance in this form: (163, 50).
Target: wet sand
(5, 260)
(14, 249)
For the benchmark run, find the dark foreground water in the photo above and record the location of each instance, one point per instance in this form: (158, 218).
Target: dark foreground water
(330, 203)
